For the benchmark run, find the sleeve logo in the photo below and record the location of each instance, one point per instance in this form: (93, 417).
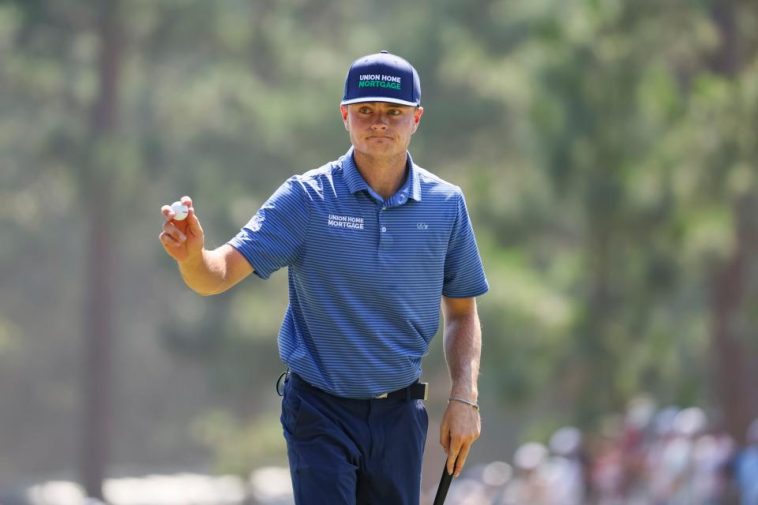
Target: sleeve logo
(256, 222)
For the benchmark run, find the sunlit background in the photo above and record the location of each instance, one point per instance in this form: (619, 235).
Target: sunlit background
(608, 151)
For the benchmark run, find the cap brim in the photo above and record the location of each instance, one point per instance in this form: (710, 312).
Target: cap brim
(385, 99)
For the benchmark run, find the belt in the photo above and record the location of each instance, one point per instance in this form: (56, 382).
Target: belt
(416, 391)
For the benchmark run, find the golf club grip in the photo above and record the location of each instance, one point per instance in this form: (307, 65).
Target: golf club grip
(445, 481)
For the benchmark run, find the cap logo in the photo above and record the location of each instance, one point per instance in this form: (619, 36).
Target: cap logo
(379, 81)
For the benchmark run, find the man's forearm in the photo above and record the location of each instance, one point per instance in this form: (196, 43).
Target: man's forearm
(205, 273)
(463, 347)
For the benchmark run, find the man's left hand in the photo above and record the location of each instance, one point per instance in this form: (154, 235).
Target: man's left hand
(460, 428)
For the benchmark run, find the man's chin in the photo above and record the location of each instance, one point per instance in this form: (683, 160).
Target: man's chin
(378, 147)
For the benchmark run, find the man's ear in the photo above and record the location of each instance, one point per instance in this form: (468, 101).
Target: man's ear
(343, 111)
(417, 117)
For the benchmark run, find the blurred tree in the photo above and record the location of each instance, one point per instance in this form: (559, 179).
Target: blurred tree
(736, 392)
(98, 205)
(589, 98)
(721, 160)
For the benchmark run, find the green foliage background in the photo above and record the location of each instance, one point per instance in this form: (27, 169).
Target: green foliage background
(607, 150)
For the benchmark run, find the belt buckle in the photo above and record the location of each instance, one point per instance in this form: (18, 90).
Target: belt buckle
(381, 396)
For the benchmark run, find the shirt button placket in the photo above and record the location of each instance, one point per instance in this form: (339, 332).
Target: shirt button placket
(385, 238)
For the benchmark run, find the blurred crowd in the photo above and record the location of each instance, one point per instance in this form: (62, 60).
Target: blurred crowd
(669, 456)
(647, 456)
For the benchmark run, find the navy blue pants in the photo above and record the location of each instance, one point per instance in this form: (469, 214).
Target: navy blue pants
(352, 452)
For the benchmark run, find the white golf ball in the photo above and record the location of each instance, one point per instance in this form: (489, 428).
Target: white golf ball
(180, 211)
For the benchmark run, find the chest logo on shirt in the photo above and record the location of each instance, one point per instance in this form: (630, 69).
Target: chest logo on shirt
(349, 222)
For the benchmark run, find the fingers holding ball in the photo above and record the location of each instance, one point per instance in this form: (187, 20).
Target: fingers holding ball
(181, 211)
(177, 211)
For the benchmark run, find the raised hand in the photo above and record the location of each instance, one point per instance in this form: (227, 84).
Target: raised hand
(182, 240)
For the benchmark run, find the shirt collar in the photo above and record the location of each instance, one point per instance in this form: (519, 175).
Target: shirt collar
(411, 188)
(353, 178)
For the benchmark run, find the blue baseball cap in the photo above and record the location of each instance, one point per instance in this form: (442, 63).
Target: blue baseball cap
(382, 77)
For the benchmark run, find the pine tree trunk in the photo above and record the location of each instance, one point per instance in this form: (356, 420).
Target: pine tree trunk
(97, 352)
(732, 361)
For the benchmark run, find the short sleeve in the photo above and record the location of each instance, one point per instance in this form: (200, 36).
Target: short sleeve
(274, 236)
(464, 273)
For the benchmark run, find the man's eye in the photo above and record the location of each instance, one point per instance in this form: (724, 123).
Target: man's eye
(394, 112)
(364, 110)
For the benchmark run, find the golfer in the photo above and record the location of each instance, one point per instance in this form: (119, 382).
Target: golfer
(375, 245)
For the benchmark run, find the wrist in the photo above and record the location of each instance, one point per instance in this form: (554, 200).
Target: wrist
(192, 260)
(464, 401)
(466, 391)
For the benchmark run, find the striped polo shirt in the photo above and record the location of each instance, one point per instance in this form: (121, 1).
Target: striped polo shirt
(366, 275)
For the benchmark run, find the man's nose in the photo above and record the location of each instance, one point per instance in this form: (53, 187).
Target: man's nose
(380, 121)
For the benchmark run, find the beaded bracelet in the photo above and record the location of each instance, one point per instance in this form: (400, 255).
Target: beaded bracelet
(473, 404)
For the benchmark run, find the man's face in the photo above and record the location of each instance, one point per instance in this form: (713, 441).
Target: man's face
(380, 128)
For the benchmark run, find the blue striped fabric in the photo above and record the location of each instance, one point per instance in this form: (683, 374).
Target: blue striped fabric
(365, 275)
